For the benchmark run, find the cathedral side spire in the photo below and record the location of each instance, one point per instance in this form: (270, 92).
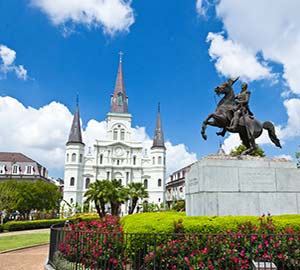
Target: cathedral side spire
(119, 100)
(158, 140)
(75, 132)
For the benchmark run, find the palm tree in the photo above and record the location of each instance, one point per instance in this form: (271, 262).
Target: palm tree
(98, 193)
(117, 195)
(136, 191)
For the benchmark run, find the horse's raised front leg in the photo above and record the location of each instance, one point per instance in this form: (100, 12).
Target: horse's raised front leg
(222, 133)
(204, 124)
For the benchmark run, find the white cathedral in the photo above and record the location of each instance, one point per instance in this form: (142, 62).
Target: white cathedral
(116, 157)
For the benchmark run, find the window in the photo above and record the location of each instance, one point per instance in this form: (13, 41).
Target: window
(146, 183)
(15, 169)
(159, 182)
(118, 162)
(153, 160)
(120, 99)
(107, 175)
(80, 158)
(73, 157)
(115, 135)
(87, 182)
(122, 135)
(159, 160)
(134, 160)
(67, 157)
(2, 169)
(101, 159)
(72, 181)
(28, 169)
(71, 200)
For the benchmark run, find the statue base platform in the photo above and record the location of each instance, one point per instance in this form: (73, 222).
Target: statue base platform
(221, 185)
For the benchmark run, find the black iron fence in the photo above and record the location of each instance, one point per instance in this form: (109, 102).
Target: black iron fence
(71, 249)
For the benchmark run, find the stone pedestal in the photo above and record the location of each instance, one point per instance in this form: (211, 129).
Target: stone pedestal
(221, 185)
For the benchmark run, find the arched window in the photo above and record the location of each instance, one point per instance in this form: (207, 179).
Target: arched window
(146, 183)
(134, 160)
(122, 134)
(101, 159)
(72, 181)
(159, 182)
(153, 160)
(159, 160)
(115, 135)
(120, 99)
(118, 162)
(80, 158)
(67, 157)
(73, 157)
(71, 200)
(87, 182)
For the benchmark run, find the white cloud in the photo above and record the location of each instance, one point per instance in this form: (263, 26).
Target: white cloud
(178, 157)
(271, 30)
(292, 128)
(7, 59)
(39, 133)
(113, 15)
(42, 133)
(288, 157)
(233, 59)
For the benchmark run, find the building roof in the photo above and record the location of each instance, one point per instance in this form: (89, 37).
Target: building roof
(158, 140)
(14, 157)
(119, 100)
(75, 132)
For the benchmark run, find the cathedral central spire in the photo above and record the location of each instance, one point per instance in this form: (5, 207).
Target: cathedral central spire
(158, 140)
(119, 100)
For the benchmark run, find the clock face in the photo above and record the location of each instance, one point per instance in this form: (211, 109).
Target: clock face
(119, 151)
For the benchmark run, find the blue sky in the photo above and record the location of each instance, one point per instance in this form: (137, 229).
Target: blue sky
(175, 53)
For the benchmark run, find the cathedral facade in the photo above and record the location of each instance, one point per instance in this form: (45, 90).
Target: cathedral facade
(115, 157)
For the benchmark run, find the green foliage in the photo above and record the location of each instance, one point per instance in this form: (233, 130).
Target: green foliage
(258, 152)
(7, 196)
(26, 196)
(179, 206)
(41, 224)
(136, 191)
(163, 222)
(1, 228)
(105, 191)
(297, 155)
(234, 248)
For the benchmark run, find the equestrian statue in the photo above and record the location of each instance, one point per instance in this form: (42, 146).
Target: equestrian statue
(234, 115)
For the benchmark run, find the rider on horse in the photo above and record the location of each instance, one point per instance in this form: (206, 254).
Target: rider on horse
(242, 107)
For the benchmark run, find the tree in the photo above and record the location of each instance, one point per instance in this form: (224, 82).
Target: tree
(117, 195)
(7, 197)
(297, 155)
(136, 191)
(257, 152)
(98, 193)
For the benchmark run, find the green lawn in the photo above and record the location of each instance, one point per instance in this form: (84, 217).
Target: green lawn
(23, 240)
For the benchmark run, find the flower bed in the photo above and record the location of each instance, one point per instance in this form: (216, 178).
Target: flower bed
(95, 244)
(233, 250)
(104, 245)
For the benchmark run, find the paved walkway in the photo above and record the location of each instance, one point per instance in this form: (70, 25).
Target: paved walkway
(33, 258)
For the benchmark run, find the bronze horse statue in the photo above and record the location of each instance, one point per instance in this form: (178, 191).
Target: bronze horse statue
(248, 127)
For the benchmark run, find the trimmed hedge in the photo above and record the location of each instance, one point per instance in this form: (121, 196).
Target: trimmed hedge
(40, 224)
(163, 222)
(1, 228)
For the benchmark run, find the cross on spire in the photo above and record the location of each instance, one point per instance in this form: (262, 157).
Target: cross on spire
(121, 54)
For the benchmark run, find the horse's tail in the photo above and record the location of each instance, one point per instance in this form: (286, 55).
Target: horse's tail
(271, 131)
